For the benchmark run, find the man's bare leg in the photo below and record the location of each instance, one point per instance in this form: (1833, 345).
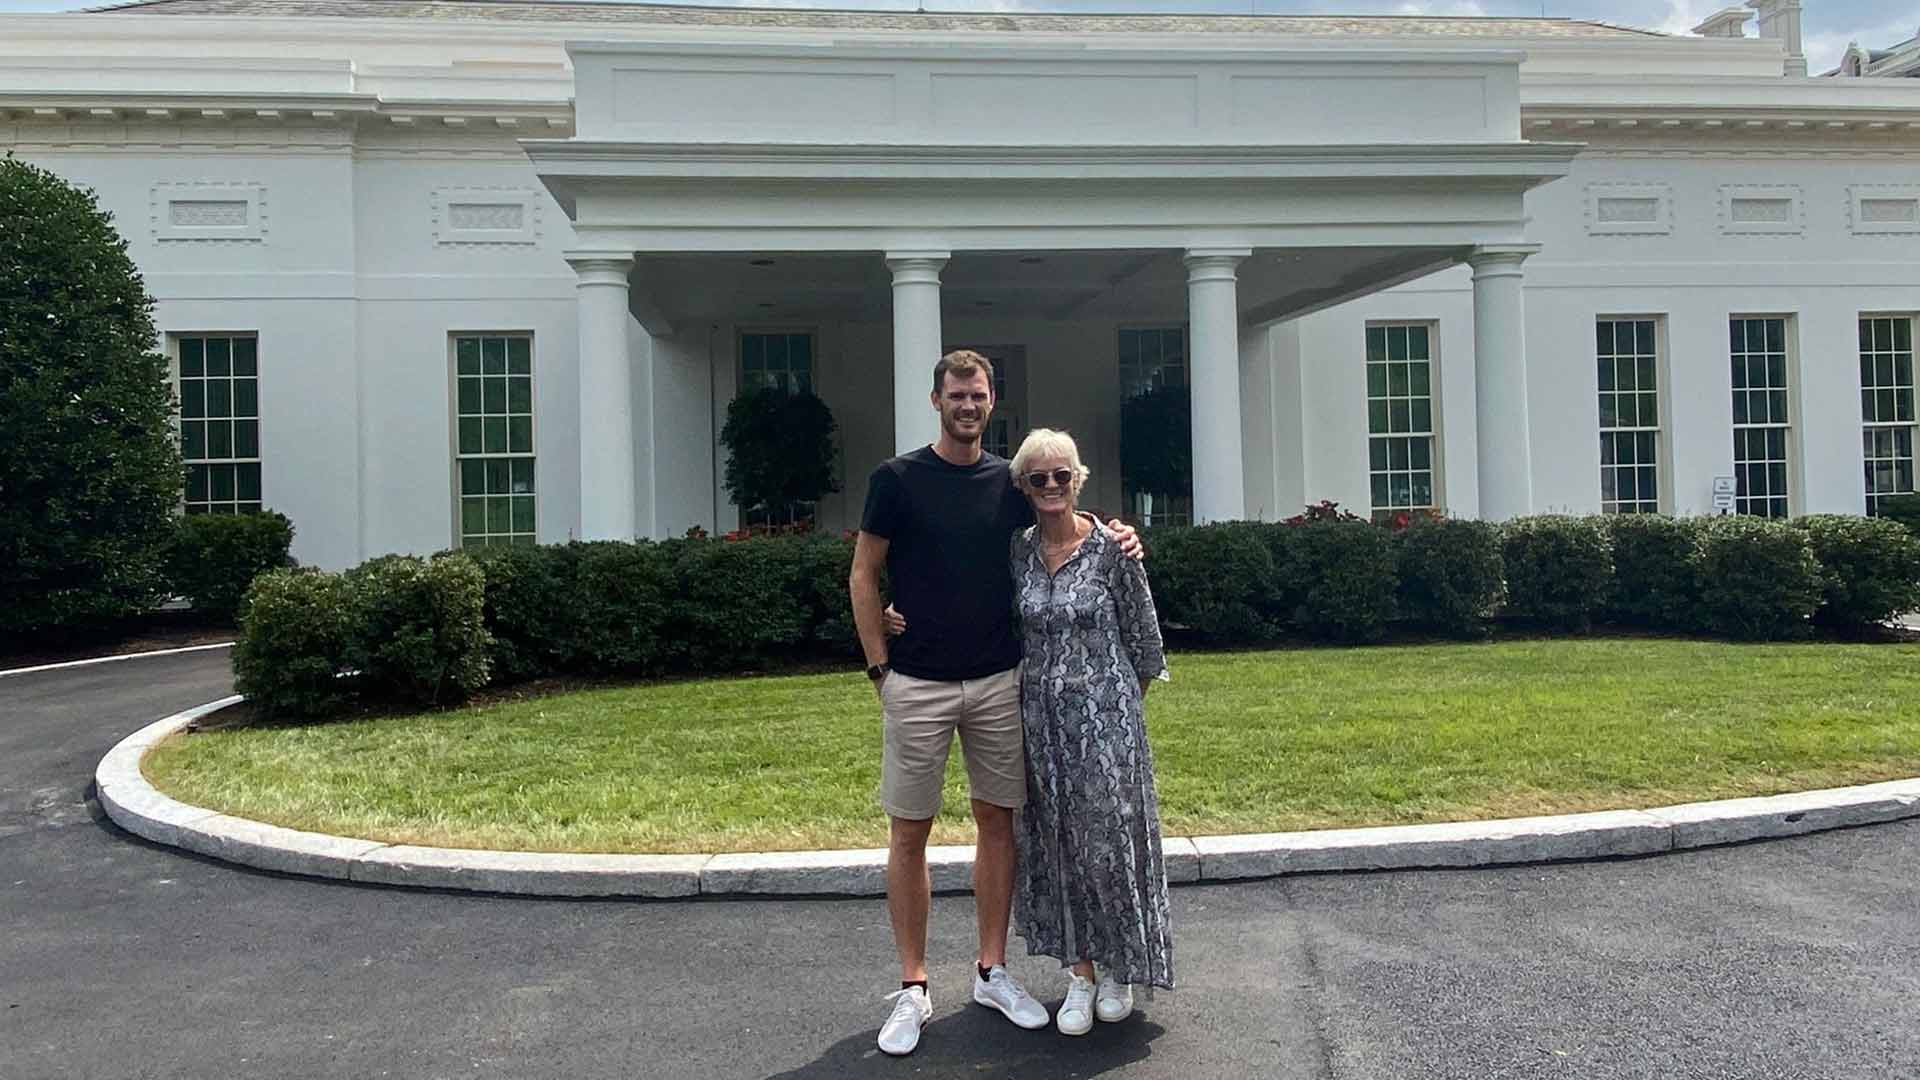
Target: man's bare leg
(909, 894)
(993, 860)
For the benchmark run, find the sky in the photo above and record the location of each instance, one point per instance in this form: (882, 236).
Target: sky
(1826, 27)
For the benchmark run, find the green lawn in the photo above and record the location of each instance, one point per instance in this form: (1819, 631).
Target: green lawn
(1244, 742)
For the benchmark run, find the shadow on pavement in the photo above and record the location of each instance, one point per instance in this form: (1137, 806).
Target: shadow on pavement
(980, 1043)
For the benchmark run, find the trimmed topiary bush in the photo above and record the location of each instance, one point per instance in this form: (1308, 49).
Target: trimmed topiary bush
(93, 473)
(1215, 580)
(1335, 579)
(1450, 574)
(213, 558)
(623, 593)
(1758, 578)
(296, 632)
(1869, 569)
(419, 628)
(1656, 570)
(1558, 568)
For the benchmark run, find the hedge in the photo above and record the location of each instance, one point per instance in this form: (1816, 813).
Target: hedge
(432, 631)
(212, 558)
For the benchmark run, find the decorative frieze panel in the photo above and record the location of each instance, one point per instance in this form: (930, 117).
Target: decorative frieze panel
(208, 212)
(1762, 209)
(486, 216)
(1883, 209)
(1644, 209)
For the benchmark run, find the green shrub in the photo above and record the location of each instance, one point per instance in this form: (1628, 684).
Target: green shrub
(1758, 578)
(419, 628)
(1656, 570)
(1450, 574)
(727, 612)
(623, 595)
(780, 452)
(294, 641)
(1869, 569)
(821, 567)
(1559, 569)
(533, 609)
(93, 472)
(212, 558)
(1904, 509)
(1335, 580)
(1215, 580)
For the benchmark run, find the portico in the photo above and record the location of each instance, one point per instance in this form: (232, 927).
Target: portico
(992, 195)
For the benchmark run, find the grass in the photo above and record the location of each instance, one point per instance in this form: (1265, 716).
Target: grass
(1244, 742)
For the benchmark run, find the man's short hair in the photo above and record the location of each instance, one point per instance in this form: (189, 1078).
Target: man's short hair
(962, 362)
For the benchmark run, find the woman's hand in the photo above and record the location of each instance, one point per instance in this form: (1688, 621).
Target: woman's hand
(895, 622)
(1130, 545)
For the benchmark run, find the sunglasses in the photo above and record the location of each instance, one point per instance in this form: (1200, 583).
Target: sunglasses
(1038, 480)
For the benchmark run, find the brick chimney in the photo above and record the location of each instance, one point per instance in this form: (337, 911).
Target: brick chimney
(1780, 21)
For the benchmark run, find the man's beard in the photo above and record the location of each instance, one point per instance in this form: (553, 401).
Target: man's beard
(950, 424)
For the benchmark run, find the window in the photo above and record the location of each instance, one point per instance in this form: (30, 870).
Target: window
(1886, 406)
(1155, 409)
(1400, 443)
(220, 421)
(494, 462)
(780, 360)
(1628, 356)
(1761, 432)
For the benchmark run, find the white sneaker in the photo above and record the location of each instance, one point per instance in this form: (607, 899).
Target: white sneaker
(911, 1009)
(1113, 1001)
(999, 991)
(1076, 1013)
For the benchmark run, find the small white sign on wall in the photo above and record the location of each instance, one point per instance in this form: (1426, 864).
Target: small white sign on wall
(1724, 489)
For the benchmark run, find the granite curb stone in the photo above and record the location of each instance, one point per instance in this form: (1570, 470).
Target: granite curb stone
(136, 806)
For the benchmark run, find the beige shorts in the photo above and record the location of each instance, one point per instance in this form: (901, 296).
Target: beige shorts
(919, 717)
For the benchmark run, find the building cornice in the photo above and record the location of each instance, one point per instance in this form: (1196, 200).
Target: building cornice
(520, 118)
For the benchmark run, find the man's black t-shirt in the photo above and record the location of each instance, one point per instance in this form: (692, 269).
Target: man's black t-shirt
(947, 528)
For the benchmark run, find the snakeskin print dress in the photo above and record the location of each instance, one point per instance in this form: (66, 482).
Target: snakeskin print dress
(1092, 884)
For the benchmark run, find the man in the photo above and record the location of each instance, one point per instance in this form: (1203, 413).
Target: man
(939, 519)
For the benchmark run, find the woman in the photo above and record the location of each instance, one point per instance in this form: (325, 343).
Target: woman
(1092, 886)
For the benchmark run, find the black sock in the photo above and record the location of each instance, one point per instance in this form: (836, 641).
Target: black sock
(908, 984)
(984, 972)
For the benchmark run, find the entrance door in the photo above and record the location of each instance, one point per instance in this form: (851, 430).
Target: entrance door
(1009, 423)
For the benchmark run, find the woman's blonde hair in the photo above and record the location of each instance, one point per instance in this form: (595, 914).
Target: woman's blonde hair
(1048, 443)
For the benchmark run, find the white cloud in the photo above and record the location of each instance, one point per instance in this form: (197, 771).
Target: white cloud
(1444, 8)
(1683, 15)
(1825, 49)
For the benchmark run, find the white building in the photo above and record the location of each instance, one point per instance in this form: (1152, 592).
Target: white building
(438, 270)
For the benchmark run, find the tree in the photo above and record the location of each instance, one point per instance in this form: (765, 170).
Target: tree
(780, 452)
(1156, 441)
(93, 474)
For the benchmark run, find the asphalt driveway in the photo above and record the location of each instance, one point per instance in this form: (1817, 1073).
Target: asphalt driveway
(1788, 959)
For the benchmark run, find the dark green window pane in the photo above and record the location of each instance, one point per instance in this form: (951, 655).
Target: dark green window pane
(1376, 344)
(219, 356)
(1609, 410)
(219, 398)
(520, 434)
(1643, 373)
(497, 472)
(499, 513)
(494, 401)
(1737, 335)
(520, 395)
(493, 356)
(1397, 380)
(1776, 335)
(1649, 410)
(467, 351)
(1643, 337)
(1740, 408)
(1421, 489)
(523, 514)
(1422, 415)
(495, 428)
(193, 440)
(1777, 401)
(246, 438)
(1399, 416)
(1606, 373)
(469, 397)
(753, 352)
(247, 481)
(1397, 453)
(193, 398)
(1883, 405)
(1379, 489)
(245, 361)
(519, 356)
(473, 516)
(1903, 335)
(220, 438)
(1376, 380)
(1866, 334)
(1417, 343)
(1377, 417)
(470, 435)
(522, 482)
(1399, 489)
(473, 477)
(1607, 444)
(1903, 405)
(1422, 453)
(197, 483)
(1603, 337)
(525, 541)
(246, 397)
(193, 357)
(1396, 343)
(1377, 454)
(1420, 375)
(222, 477)
(1739, 373)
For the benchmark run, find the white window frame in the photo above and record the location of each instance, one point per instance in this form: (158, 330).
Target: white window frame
(1789, 443)
(197, 506)
(1870, 425)
(531, 455)
(742, 333)
(1438, 499)
(1662, 442)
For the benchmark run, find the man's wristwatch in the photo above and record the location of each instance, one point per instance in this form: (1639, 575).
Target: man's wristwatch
(878, 671)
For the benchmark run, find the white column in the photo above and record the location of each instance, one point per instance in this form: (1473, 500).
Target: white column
(916, 345)
(1213, 317)
(606, 398)
(1500, 381)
